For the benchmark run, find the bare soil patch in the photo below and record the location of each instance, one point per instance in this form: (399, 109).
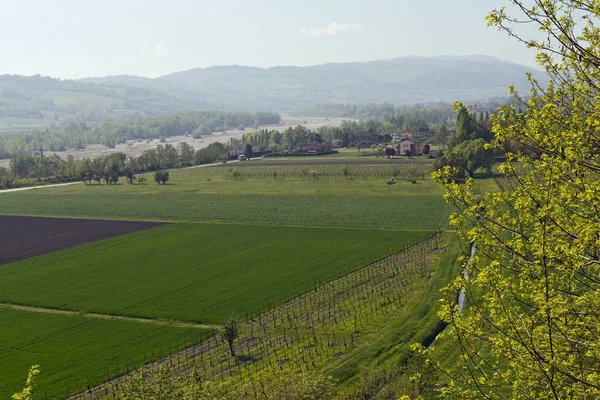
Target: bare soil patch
(25, 237)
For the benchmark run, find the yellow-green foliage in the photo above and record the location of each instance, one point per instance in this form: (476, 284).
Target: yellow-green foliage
(27, 392)
(532, 324)
(159, 384)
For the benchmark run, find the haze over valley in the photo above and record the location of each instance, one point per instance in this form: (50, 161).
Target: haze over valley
(37, 101)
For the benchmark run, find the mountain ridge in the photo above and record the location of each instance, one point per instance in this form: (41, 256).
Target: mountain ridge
(287, 89)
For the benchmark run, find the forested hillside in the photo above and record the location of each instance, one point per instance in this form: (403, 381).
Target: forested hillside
(35, 101)
(403, 80)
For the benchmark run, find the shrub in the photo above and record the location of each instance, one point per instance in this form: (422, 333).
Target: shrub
(161, 177)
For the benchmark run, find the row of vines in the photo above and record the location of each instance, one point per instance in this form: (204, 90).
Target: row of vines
(301, 334)
(404, 171)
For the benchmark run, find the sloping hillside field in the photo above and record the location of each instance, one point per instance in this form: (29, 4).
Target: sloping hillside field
(194, 272)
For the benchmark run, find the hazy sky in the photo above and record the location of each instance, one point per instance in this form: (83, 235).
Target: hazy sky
(80, 38)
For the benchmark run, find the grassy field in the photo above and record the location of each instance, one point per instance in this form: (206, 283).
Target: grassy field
(359, 203)
(72, 349)
(253, 242)
(194, 272)
(386, 344)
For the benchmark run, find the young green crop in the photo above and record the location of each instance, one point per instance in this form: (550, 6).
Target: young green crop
(358, 203)
(73, 350)
(194, 272)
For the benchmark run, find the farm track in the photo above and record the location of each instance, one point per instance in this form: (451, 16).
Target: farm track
(37, 187)
(178, 324)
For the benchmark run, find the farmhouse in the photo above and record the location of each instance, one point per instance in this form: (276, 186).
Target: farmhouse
(311, 148)
(366, 139)
(407, 145)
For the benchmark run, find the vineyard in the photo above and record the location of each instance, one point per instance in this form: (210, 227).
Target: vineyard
(306, 332)
(326, 171)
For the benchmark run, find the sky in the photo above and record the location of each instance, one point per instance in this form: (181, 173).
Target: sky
(90, 38)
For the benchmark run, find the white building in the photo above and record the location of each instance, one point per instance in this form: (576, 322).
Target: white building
(396, 137)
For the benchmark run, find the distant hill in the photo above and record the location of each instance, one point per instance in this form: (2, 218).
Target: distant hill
(405, 80)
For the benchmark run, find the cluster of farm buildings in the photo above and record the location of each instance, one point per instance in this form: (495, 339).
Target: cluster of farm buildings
(402, 143)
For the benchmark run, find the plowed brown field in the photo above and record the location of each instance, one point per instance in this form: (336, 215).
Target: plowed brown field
(24, 237)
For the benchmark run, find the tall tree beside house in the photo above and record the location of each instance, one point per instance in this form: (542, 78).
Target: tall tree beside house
(248, 151)
(464, 128)
(531, 327)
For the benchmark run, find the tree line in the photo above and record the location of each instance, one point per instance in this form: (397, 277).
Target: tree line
(79, 134)
(28, 170)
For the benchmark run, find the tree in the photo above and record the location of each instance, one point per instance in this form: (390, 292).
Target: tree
(211, 153)
(161, 177)
(441, 136)
(532, 324)
(230, 333)
(113, 178)
(468, 156)
(397, 121)
(167, 156)
(129, 175)
(248, 151)
(464, 128)
(426, 149)
(186, 153)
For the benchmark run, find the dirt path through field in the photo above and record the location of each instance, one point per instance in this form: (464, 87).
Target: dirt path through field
(179, 324)
(37, 187)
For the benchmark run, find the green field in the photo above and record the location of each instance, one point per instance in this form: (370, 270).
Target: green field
(71, 349)
(241, 245)
(359, 203)
(194, 272)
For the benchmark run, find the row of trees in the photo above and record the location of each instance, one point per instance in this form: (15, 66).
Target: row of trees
(28, 169)
(347, 134)
(432, 114)
(468, 126)
(79, 134)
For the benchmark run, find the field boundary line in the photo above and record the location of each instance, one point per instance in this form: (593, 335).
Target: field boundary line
(43, 310)
(37, 187)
